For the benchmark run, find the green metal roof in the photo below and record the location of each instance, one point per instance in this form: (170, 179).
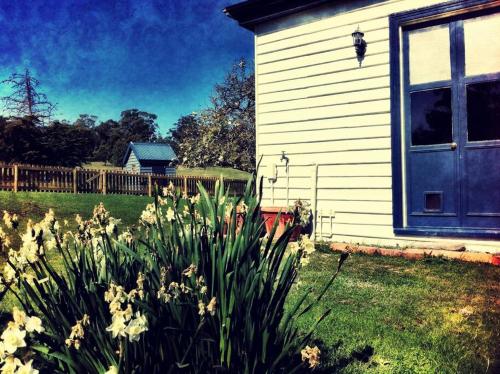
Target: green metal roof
(151, 151)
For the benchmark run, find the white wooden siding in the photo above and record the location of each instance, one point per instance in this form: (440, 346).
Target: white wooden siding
(317, 105)
(132, 164)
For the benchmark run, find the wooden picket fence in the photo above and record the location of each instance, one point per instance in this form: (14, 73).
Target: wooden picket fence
(14, 177)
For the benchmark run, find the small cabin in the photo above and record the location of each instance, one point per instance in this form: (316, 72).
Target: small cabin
(149, 158)
(385, 115)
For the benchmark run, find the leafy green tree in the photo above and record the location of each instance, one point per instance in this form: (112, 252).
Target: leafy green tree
(20, 141)
(86, 120)
(224, 134)
(113, 137)
(183, 136)
(66, 144)
(105, 132)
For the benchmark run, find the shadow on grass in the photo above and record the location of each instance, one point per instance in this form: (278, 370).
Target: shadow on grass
(332, 363)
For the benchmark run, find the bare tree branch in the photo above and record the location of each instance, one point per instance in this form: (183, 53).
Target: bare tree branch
(25, 100)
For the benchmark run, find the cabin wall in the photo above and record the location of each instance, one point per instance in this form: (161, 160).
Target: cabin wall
(157, 167)
(147, 167)
(132, 165)
(332, 119)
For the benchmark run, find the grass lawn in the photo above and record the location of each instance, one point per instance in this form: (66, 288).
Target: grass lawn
(389, 315)
(34, 205)
(204, 172)
(214, 172)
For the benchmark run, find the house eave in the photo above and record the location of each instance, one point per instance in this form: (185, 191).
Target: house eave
(250, 13)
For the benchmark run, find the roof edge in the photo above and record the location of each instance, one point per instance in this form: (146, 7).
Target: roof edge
(127, 153)
(250, 13)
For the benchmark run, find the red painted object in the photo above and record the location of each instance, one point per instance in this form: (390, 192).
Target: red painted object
(269, 215)
(495, 260)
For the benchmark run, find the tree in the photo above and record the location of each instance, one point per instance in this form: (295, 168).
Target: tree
(113, 137)
(66, 144)
(105, 132)
(20, 141)
(224, 134)
(26, 100)
(86, 120)
(61, 143)
(234, 111)
(185, 132)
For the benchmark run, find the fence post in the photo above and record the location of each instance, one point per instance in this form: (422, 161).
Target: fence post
(185, 186)
(104, 185)
(16, 177)
(75, 180)
(150, 186)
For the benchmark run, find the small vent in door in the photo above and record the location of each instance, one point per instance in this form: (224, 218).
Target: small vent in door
(433, 201)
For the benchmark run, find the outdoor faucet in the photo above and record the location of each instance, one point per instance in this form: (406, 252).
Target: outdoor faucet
(284, 157)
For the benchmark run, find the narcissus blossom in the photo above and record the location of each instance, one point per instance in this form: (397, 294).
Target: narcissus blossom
(211, 307)
(34, 324)
(112, 370)
(190, 271)
(13, 338)
(10, 220)
(311, 355)
(136, 327)
(170, 214)
(10, 365)
(27, 368)
(117, 327)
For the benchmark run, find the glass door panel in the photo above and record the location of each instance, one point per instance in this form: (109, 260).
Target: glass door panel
(483, 111)
(482, 48)
(431, 117)
(429, 50)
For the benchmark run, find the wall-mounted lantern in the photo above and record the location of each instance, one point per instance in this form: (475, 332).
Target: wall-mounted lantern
(359, 44)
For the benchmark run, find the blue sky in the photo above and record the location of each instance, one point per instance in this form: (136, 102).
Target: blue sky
(103, 56)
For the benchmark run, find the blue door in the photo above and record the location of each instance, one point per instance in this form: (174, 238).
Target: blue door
(452, 125)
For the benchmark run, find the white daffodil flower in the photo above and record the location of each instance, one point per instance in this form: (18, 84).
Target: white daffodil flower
(34, 324)
(170, 214)
(13, 338)
(27, 368)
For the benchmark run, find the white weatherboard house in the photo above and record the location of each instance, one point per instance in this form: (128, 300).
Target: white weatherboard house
(404, 149)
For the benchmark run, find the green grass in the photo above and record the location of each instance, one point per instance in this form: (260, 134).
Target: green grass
(214, 172)
(101, 166)
(389, 315)
(34, 205)
(204, 172)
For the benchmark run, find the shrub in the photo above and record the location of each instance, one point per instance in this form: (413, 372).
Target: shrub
(192, 289)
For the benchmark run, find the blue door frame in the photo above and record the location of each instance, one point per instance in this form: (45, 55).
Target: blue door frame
(460, 177)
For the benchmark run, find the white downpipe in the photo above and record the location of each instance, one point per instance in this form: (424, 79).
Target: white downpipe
(314, 199)
(287, 169)
(272, 193)
(272, 177)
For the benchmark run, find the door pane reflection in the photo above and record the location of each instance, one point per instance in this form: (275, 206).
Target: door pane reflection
(483, 111)
(431, 121)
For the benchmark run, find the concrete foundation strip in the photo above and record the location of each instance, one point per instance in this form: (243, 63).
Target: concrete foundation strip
(419, 253)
